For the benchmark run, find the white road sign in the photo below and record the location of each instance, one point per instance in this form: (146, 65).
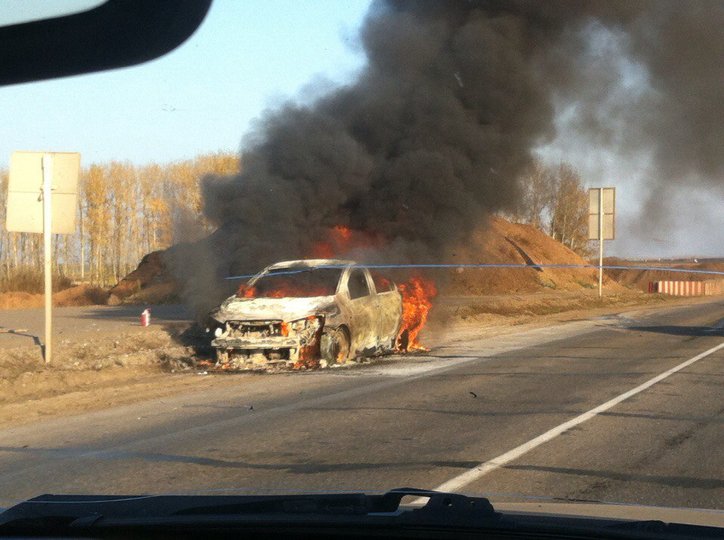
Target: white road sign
(609, 213)
(42, 198)
(25, 188)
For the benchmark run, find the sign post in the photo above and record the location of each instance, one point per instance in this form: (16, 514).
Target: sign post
(42, 198)
(48, 254)
(600, 242)
(601, 222)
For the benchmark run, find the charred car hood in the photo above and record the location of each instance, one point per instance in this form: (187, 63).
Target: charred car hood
(285, 309)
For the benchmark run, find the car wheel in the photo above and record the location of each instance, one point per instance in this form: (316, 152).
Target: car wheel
(335, 346)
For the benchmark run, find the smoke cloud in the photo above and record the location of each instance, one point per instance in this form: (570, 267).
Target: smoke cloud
(455, 96)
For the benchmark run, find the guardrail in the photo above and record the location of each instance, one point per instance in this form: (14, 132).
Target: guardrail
(709, 287)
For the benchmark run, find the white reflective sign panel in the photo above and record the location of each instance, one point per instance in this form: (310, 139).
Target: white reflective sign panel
(25, 187)
(609, 213)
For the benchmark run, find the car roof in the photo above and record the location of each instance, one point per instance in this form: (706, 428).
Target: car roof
(311, 263)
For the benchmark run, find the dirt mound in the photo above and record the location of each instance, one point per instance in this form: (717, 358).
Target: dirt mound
(149, 283)
(156, 293)
(502, 242)
(81, 295)
(640, 279)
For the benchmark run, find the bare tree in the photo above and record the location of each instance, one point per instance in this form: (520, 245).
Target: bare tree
(94, 192)
(539, 186)
(569, 213)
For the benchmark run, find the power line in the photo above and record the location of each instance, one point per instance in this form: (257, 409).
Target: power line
(487, 265)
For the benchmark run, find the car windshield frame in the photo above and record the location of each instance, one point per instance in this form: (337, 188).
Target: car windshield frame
(288, 280)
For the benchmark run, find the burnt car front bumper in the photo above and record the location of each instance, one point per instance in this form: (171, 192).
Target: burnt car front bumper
(254, 344)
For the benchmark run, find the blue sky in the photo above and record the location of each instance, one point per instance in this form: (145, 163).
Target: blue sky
(246, 57)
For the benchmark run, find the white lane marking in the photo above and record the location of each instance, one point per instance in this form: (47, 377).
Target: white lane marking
(478, 471)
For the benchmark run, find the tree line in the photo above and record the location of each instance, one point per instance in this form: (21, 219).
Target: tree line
(555, 201)
(124, 212)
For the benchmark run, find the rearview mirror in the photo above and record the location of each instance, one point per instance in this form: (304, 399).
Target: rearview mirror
(118, 33)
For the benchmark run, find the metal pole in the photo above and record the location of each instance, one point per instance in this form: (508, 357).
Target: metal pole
(48, 254)
(82, 249)
(600, 242)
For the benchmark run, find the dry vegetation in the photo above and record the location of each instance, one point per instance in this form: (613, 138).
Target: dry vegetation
(81, 295)
(124, 212)
(91, 374)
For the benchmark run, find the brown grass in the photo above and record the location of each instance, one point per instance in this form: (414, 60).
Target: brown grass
(81, 295)
(30, 281)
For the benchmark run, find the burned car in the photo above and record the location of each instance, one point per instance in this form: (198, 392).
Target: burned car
(305, 314)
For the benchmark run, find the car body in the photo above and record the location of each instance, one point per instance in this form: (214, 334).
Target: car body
(305, 314)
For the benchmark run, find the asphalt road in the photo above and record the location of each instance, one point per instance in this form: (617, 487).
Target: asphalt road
(22, 327)
(485, 415)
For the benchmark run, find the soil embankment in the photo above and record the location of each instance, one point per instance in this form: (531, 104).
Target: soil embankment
(503, 242)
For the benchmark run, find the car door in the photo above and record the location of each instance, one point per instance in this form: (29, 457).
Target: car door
(362, 304)
(389, 308)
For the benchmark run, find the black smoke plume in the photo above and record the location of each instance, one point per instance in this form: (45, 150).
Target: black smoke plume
(433, 134)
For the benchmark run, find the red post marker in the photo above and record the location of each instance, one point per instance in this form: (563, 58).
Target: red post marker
(145, 317)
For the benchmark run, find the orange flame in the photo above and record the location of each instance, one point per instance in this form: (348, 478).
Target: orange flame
(322, 250)
(417, 295)
(342, 233)
(245, 291)
(338, 242)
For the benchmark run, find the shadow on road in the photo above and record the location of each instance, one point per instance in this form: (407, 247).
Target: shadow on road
(292, 468)
(674, 418)
(316, 468)
(692, 331)
(487, 413)
(192, 336)
(664, 480)
(22, 333)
